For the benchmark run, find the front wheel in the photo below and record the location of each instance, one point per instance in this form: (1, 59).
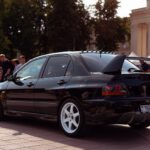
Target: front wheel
(71, 118)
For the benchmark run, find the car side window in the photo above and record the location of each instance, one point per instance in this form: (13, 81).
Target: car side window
(69, 69)
(56, 66)
(32, 69)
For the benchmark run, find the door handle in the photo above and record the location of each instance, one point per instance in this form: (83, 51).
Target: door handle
(30, 84)
(61, 82)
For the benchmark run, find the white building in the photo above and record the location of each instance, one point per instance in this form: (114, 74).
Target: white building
(140, 31)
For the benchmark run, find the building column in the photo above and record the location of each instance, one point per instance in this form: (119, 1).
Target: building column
(144, 39)
(134, 38)
(148, 3)
(148, 40)
(141, 37)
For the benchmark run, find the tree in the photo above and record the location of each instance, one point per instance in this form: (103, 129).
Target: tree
(68, 25)
(110, 29)
(25, 25)
(5, 43)
(19, 26)
(37, 27)
(123, 29)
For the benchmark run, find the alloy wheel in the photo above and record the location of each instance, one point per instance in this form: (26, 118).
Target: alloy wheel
(70, 117)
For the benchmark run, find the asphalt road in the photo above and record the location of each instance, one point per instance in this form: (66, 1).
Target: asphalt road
(27, 134)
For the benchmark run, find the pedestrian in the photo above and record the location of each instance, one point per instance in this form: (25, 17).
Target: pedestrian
(1, 72)
(144, 66)
(14, 63)
(6, 67)
(22, 61)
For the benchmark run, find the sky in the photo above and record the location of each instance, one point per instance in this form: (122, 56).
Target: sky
(125, 6)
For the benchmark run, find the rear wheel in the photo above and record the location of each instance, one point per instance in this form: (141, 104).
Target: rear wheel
(71, 118)
(139, 125)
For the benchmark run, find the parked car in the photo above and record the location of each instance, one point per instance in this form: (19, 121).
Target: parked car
(78, 88)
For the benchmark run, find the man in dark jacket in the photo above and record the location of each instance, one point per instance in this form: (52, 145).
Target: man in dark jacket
(6, 66)
(144, 66)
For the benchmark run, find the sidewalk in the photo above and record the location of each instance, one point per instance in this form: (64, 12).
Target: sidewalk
(24, 135)
(20, 134)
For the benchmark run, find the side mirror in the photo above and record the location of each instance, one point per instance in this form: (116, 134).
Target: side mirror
(15, 79)
(11, 78)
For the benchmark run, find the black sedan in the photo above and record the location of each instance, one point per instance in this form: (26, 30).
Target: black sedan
(78, 88)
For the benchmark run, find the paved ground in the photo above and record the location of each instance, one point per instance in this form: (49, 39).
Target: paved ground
(23, 134)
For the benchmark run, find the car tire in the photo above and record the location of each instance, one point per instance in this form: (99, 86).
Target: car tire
(71, 118)
(139, 125)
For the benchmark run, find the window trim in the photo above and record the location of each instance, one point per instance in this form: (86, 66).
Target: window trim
(57, 55)
(30, 61)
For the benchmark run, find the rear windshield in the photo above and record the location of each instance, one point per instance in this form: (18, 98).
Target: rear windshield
(97, 62)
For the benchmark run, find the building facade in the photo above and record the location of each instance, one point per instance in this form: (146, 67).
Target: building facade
(140, 31)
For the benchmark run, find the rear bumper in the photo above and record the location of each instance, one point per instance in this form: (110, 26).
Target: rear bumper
(122, 111)
(133, 118)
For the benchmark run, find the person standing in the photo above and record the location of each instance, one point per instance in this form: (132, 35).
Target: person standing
(1, 70)
(14, 63)
(144, 66)
(6, 67)
(22, 61)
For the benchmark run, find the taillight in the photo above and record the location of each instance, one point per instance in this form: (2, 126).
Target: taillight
(114, 90)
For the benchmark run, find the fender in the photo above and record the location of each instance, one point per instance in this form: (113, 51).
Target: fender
(2, 96)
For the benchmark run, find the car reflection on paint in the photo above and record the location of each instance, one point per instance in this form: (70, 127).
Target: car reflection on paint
(79, 88)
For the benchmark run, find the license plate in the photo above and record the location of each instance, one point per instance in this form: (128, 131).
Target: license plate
(145, 108)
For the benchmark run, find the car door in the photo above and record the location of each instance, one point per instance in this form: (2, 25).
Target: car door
(20, 93)
(50, 87)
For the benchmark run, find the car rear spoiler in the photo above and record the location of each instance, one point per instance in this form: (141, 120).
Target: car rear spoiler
(115, 66)
(138, 58)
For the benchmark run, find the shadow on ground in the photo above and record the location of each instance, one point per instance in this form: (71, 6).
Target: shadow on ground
(97, 137)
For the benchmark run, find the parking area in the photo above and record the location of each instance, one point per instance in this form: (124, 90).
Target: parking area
(24, 134)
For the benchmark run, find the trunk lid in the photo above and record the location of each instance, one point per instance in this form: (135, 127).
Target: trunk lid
(137, 84)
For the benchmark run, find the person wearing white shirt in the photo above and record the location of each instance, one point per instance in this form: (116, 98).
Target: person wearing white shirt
(22, 61)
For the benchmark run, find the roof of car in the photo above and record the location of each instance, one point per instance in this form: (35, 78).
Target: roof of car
(79, 52)
(76, 53)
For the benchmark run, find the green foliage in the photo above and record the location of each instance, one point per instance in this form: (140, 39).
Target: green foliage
(5, 43)
(124, 29)
(20, 26)
(68, 25)
(110, 9)
(110, 29)
(35, 27)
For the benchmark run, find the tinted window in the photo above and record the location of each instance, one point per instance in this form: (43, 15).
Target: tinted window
(32, 69)
(69, 69)
(128, 65)
(56, 66)
(97, 62)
